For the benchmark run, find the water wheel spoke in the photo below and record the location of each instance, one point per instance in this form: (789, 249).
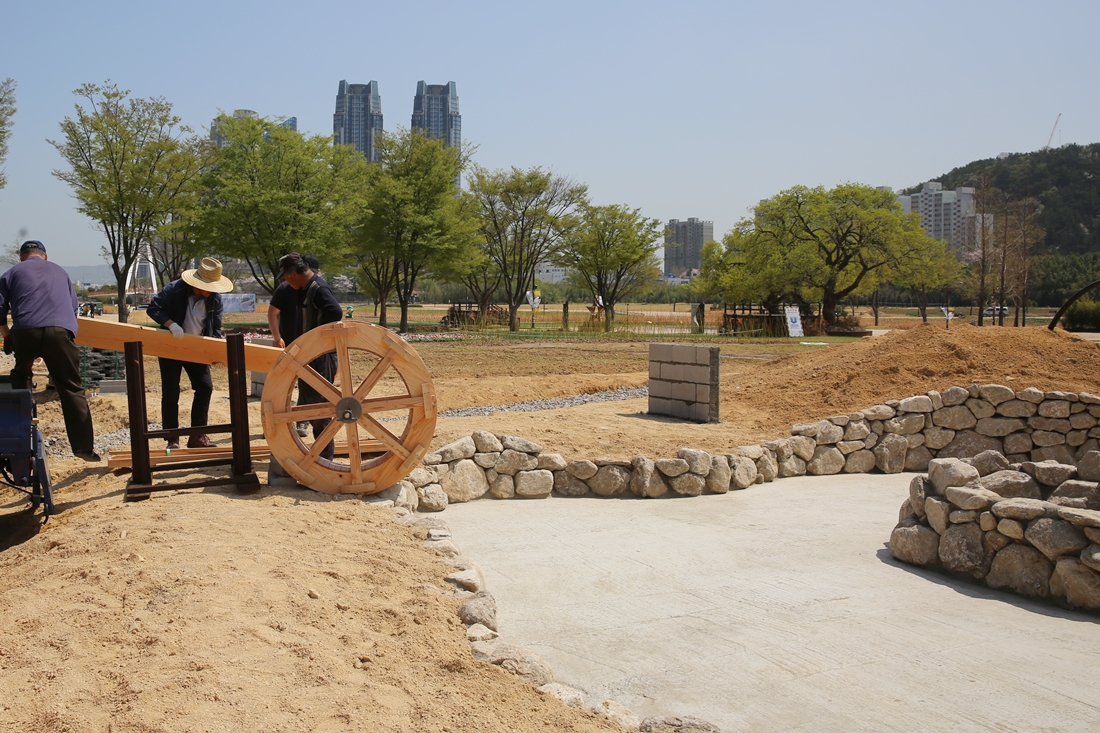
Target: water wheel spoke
(310, 376)
(375, 374)
(355, 455)
(379, 431)
(300, 413)
(392, 402)
(323, 439)
(343, 364)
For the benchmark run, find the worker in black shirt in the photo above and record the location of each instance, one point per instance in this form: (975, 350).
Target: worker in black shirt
(284, 317)
(318, 306)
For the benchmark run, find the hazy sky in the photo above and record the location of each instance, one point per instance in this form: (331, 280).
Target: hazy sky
(682, 109)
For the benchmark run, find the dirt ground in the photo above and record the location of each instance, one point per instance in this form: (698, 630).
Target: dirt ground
(193, 611)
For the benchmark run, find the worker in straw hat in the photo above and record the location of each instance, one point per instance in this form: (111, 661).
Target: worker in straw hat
(190, 305)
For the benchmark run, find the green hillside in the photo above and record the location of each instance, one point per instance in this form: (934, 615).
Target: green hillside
(1065, 180)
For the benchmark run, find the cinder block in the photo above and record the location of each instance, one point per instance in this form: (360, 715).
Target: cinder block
(700, 412)
(702, 393)
(654, 370)
(707, 354)
(672, 372)
(258, 377)
(263, 342)
(660, 352)
(699, 374)
(112, 386)
(683, 354)
(660, 388)
(659, 406)
(257, 389)
(683, 391)
(679, 409)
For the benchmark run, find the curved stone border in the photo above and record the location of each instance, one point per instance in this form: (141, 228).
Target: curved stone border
(898, 435)
(1031, 527)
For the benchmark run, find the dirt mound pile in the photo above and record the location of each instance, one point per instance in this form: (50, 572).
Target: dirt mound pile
(840, 379)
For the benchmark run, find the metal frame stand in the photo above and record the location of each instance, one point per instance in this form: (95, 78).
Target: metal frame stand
(241, 474)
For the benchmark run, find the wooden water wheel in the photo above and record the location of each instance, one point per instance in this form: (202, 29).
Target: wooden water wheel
(385, 434)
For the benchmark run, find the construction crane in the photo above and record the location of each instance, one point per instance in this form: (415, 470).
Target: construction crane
(1052, 131)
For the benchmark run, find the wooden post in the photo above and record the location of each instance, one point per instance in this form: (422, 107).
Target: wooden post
(135, 387)
(565, 316)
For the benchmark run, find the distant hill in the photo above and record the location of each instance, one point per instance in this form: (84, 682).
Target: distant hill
(94, 274)
(1065, 180)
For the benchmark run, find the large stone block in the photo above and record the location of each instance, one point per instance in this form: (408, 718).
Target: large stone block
(767, 468)
(718, 478)
(1073, 581)
(513, 461)
(971, 498)
(698, 460)
(1054, 408)
(1012, 484)
(936, 438)
(857, 430)
(1088, 466)
(961, 550)
(486, 442)
(938, 512)
(916, 459)
(890, 454)
(566, 484)
(998, 427)
(905, 424)
(1023, 509)
(1055, 538)
(953, 396)
(1049, 474)
(915, 544)
(968, 444)
(646, 481)
(945, 472)
(688, 484)
(827, 460)
(743, 472)
(956, 417)
(803, 447)
(919, 403)
(793, 466)
(861, 461)
(456, 451)
(1058, 453)
(918, 492)
(1088, 491)
(995, 394)
(511, 442)
(609, 481)
(1017, 408)
(464, 482)
(1018, 443)
(1021, 569)
(534, 484)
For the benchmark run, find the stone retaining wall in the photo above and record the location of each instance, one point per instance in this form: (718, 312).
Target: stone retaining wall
(1030, 527)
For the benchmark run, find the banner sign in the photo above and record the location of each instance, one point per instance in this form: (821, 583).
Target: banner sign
(794, 322)
(239, 303)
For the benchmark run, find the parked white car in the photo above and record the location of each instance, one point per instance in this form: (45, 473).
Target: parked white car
(992, 311)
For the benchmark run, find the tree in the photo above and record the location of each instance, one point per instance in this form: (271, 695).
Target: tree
(7, 111)
(981, 246)
(744, 267)
(270, 190)
(129, 162)
(822, 244)
(523, 216)
(613, 253)
(930, 268)
(418, 219)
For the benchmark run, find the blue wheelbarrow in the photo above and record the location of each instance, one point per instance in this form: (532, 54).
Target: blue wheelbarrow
(22, 453)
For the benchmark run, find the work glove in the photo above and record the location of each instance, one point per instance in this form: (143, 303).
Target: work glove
(8, 348)
(177, 330)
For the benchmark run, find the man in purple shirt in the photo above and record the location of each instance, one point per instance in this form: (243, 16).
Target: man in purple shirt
(42, 303)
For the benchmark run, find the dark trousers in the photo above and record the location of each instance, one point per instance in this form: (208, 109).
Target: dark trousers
(201, 383)
(325, 365)
(55, 345)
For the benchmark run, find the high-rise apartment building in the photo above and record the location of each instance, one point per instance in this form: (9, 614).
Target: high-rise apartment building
(358, 117)
(435, 112)
(684, 245)
(945, 215)
(240, 114)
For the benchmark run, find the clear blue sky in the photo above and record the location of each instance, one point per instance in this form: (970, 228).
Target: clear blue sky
(682, 109)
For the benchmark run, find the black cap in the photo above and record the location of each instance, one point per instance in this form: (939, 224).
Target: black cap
(30, 245)
(290, 262)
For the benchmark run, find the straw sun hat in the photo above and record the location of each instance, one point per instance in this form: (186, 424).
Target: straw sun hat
(208, 277)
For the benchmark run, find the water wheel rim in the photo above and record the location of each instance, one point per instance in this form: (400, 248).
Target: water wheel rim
(396, 456)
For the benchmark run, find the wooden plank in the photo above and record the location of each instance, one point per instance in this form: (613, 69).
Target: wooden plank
(121, 458)
(102, 334)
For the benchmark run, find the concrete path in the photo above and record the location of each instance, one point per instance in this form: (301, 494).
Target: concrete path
(778, 608)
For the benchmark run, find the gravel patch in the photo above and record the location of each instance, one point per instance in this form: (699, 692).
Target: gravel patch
(555, 403)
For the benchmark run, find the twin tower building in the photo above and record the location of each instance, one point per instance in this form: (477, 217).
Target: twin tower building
(358, 116)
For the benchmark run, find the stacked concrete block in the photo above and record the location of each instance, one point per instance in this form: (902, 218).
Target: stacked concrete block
(683, 381)
(258, 378)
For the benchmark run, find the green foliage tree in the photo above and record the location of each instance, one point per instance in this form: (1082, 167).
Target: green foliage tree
(417, 217)
(270, 190)
(745, 267)
(7, 111)
(523, 215)
(613, 253)
(130, 161)
(930, 268)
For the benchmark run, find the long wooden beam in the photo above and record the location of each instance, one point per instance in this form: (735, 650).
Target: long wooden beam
(103, 334)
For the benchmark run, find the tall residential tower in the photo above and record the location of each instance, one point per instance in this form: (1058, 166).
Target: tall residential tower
(946, 215)
(435, 112)
(358, 117)
(684, 246)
